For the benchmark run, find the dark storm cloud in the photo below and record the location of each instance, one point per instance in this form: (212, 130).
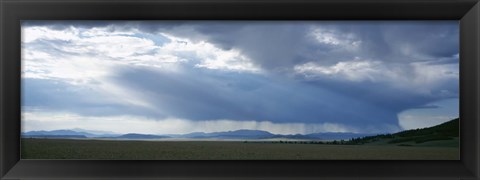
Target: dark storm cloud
(283, 45)
(201, 95)
(274, 44)
(431, 39)
(393, 99)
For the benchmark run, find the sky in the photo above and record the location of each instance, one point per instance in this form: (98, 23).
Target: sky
(285, 77)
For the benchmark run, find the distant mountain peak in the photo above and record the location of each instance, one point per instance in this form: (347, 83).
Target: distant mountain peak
(97, 132)
(62, 132)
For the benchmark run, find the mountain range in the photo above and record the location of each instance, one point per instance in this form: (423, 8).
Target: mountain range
(73, 133)
(238, 135)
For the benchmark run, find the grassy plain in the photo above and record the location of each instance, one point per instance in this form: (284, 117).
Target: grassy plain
(224, 150)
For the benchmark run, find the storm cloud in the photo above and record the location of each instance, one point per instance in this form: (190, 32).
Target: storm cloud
(357, 75)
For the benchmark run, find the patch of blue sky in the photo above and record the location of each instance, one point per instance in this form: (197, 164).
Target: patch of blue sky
(158, 39)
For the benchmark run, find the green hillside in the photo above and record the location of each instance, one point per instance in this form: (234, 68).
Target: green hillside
(446, 134)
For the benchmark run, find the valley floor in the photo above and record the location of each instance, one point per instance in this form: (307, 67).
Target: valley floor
(222, 150)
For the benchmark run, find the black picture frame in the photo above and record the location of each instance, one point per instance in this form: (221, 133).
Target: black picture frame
(13, 11)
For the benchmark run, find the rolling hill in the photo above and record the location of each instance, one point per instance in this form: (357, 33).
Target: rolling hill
(445, 134)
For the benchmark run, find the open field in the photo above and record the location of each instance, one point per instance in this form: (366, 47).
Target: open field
(223, 150)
